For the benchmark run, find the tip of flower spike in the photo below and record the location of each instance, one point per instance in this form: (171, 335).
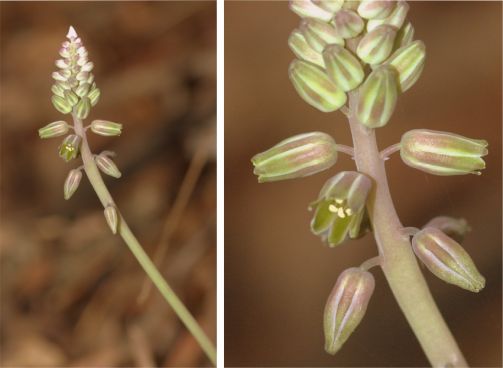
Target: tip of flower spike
(71, 33)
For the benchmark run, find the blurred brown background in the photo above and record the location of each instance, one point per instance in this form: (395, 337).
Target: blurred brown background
(69, 287)
(277, 274)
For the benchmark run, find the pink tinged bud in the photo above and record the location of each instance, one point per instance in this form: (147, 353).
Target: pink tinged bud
(395, 19)
(308, 9)
(319, 34)
(452, 227)
(409, 62)
(314, 86)
(378, 96)
(59, 76)
(302, 50)
(54, 129)
(447, 260)
(112, 218)
(299, 156)
(87, 67)
(372, 9)
(106, 165)
(69, 149)
(329, 5)
(106, 128)
(61, 64)
(346, 306)
(343, 68)
(376, 46)
(72, 183)
(442, 153)
(71, 35)
(347, 23)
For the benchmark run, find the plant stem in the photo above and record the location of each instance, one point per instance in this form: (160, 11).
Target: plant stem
(397, 258)
(123, 229)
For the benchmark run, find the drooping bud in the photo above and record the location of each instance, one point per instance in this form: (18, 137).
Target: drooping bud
(347, 23)
(447, 260)
(442, 153)
(69, 149)
(106, 128)
(405, 36)
(452, 227)
(314, 86)
(373, 9)
(106, 165)
(376, 46)
(72, 183)
(346, 306)
(409, 62)
(61, 104)
(378, 96)
(340, 206)
(54, 129)
(395, 19)
(112, 218)
(296, 157)
(329, 5)
(302, 50)
(319, 34)
(308, 9)
(343, 68)
(83, 108)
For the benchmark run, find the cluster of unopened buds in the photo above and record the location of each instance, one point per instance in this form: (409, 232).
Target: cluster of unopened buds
(366, 48)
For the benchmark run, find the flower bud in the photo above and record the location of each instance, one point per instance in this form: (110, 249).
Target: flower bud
(447, 260)
(351, 4)
(302, 50)
(329, 5)
(307, 9)
(378, 96)
(376, 46)
(296, 157)
(452, 227)
(54, 129)
(112, 218)
(314, 86)
(58, 90)
(346, 306)
(94, 96)
(319, 34)
(347, 23)
(106, 165)
(409, 62)
(442, 153)
(343, 68)
(340, 206)
(106, 128)
(395, 19)
(69, 149)
(71, 98)
(372, 9)
(61, 104)
(72, 183)
(83, 89)
(83, 108)
(405, 36)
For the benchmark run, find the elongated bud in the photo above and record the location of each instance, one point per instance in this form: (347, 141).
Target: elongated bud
(69, 149)
(372, 9)
(106, 165)
(409, 62)
(343, 68)
(61, 104)
(452, 227)
(347, 23)
(112, 218)
(340, 206)
(329, 5)
(296, 157)
(376, 46)
(83, 108)
(54, 129)
(308, 9)
(106, 128)
(72, 183)
(442, 153)
(378, 96)
(346, 306)
(447, 260)
(405, 36)
(94, 96)
(314, 86)
(395, 19)
(319, 34)
(302, 50)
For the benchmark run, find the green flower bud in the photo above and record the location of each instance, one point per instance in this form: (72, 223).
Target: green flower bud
(405, 36)
(329, 5)
(94, 96)
(347, 23)
(302, 50)
(58, 90)
(346, 306)
(395, 19)
(409, 62)
(83, 89)
(372, 9)
(71, 97)
(112, 218)
(452, 227)
(447, 260)
(106, 128)
(69, 149)
(343, 68)
(106, 165)
(83, 108)
(72, 183)
(376, 46)
(378, 96)
(308, 9)
(54, 129)
(351, 4)
(296, 157)
(314, 86)
(340, 206)
(319, 34)
(61, 104)
(442, 153)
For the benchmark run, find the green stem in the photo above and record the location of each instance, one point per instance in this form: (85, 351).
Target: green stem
(397, 258)
(123, 229)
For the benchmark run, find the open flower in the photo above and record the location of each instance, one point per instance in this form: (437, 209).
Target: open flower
(69, 149)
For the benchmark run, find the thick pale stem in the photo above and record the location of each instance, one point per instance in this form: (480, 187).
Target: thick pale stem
(397, 258)
(123, 229)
